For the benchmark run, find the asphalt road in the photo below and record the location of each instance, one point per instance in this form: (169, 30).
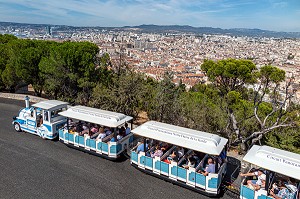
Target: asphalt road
(31, 167)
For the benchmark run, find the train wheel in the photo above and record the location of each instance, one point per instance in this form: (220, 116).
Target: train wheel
(17, 127)
(41, 133)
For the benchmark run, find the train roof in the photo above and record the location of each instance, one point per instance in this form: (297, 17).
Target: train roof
(50, 104)
(180, 136)
(96, 116)
(273, 159)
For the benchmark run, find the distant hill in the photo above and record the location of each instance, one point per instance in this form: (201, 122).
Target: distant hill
(210, 30)
(173, 29)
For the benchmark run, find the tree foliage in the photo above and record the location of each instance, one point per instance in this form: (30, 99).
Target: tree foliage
(243, 103)
(252, 113)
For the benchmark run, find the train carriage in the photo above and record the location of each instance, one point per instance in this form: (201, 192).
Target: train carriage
(277, 165)
(192, 141)
(104, 147)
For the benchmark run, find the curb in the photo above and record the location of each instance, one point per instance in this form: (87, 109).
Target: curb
(16, 96)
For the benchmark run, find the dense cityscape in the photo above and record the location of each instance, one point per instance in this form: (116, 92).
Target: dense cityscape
(181, 53)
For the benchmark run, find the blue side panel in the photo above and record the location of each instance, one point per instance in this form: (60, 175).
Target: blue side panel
(192, 177)
(28, 130)
(67, 136)
(174, 170)
(77, 139)
(247, 192)
(213, 183)
(21, 122)
(113, 149)
(262, 197)
(71, 137)
(81, 140)
(93, 144)
(269, 197)
(49, 128)
(149, 162)
(105, 147)
(87, 142)
(241, 190)
(61, 133)
(31, 123)
(181, 172)
(157, 165)
(142, 160)
(119, 148)
(99, 146)
(134, 156)
(200, 179)
(164, 167)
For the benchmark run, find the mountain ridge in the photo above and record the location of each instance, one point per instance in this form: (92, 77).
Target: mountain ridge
(152, 28)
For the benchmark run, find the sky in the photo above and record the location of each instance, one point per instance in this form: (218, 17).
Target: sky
(276, 15)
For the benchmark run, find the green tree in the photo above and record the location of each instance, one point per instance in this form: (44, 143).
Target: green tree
(4, 55)
(230, 74)
(70, 71)
(13, 51)
(123, 93)
(278, 113)
(250, 116)
(165, 105)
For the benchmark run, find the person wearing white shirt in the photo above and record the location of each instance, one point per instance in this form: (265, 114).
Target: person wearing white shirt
(101, 136)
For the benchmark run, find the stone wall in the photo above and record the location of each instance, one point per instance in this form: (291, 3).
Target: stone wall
(34, 99)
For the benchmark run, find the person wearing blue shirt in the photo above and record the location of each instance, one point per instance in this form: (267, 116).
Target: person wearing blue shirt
(127, 129)
(142, 147)
(210, 168)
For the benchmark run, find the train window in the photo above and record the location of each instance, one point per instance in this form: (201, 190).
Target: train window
(46, 118)
(55, 112)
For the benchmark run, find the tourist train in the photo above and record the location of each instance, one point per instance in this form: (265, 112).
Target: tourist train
(192, 159)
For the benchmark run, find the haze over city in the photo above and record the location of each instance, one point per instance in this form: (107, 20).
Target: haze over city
(276, 15)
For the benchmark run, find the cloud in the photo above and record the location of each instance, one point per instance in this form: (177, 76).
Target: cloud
(215, 13)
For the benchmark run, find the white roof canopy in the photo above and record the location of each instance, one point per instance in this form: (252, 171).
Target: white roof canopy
(96, 116)
(187, 138)
(49, 104)
(279, 161)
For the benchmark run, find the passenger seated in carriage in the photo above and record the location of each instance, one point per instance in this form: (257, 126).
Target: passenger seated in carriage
(101, 134)
(142, 147)
(95, 131)
(210, 167)
(191, 162)
(79, 128)
(159, 151)
(85, 129)
(122, 133)
(173, 156)
(261, 179)
(72, 130)
(107, 130)
(127, 129)
(280, 191)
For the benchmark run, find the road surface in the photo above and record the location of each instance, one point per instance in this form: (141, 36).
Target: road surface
(35, 168)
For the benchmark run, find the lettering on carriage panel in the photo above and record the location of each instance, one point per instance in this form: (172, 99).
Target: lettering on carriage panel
(177, 134)
(283, 160)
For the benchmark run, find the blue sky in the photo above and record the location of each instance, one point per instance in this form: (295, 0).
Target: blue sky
(277, 15)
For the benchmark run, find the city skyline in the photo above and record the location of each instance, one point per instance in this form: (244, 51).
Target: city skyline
(276, 15)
